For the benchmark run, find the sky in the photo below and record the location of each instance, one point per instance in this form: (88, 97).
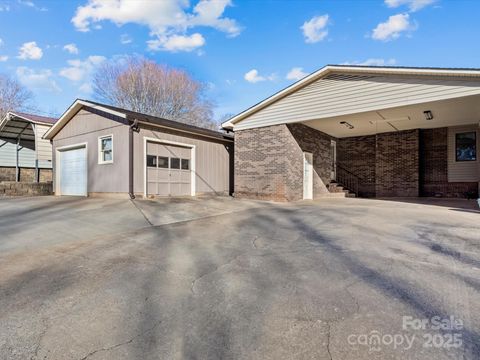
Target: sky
(243, 50)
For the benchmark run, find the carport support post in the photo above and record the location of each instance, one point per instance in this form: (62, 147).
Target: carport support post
(17, 169)
(37, 170)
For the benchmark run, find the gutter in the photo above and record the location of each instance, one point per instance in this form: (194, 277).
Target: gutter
(132, 128)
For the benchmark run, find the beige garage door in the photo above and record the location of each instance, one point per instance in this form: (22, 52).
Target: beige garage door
(168, 170)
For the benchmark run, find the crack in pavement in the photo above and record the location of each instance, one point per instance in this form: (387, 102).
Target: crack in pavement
(192, 288)
(328, 341)
(122, 343)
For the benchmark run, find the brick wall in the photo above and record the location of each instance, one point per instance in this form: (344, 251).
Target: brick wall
(434, 167)
(319, 144)
(357, 155)
(269, 162)
(397, 164)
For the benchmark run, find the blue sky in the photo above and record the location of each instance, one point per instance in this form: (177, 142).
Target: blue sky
(244, 50)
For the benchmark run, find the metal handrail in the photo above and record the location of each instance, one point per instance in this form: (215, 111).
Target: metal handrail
(348, 179)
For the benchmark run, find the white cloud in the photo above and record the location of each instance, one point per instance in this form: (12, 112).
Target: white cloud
(252, 76)
(315, 29)
(30, 50)
(168, 20)
(32, 5)
(125, 39)
(39, 80)
(3, 58)
(413, 5)
(1, 42)
(71, 48)
(81, 70)
(296, 73)
(177, 43)
(393, 27)
(4, 7)
(86, 88)
(372, 62)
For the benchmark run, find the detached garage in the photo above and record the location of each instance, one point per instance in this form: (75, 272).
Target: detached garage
(100, 149)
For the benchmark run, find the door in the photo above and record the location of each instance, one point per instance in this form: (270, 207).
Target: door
(333, 172)
(168, 170)
(73, 172)
(307, 175)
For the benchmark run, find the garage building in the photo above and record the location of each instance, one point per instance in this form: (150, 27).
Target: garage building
(101, 149)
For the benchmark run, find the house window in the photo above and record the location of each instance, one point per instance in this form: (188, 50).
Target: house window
(105, 149)
(466, 146)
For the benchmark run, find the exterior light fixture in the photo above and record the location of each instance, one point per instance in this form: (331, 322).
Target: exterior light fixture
(348, 125)
(428, 115)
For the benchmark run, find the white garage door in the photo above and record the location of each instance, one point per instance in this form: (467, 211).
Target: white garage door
(73, 172)
(168, 170)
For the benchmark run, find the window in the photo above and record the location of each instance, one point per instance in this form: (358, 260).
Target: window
(151, 161)
(105, 149)
(163, 162)
(466, 146)
(185, 164)
(174, 163)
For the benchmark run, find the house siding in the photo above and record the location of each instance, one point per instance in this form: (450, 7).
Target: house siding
(462, 171)
(345, 94)
(212, 160)
(87, 127)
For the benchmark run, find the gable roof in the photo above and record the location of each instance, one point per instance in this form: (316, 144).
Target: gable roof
(351, 69)
(19, 125)
(36, 119)
(129, 115)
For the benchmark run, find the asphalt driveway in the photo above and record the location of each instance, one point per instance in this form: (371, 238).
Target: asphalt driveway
(229, 279)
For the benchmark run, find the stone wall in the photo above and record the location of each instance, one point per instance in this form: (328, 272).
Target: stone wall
(26, 174)
(8, 188)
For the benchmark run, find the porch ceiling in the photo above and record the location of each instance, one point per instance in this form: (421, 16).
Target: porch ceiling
(452, 112)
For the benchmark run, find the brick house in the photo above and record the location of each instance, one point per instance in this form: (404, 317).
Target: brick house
(365, 131)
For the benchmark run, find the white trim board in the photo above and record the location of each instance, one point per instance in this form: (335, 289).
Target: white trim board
(168, 142)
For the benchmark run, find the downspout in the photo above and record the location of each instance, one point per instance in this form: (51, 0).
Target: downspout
(133, 128)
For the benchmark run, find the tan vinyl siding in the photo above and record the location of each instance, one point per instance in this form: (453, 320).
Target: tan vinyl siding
(462, 171)
(44, 148)
(212, 160)
(338, 94)
(86, 127)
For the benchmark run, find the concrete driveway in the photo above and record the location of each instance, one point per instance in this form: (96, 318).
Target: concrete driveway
(229, 279)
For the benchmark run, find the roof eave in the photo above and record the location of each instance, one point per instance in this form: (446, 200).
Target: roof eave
(346, 68)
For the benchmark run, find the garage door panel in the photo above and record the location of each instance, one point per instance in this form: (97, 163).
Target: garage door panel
(172, 173)
(73, 172)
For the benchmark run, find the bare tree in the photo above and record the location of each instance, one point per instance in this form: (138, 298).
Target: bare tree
(13, 96)
(144, 86)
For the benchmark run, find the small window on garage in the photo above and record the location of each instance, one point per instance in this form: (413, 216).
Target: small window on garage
(151, 161)
(185, 164)
(163, 162)
(174, 163)
(466, 146)
(105, 149)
